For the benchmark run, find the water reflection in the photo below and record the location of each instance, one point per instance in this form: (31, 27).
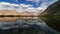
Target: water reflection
(31, 25)
(53, 22)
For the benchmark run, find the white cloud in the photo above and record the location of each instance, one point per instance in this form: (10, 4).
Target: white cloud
(20, 7)
(46, 4)
(41, 8)
(36, 0)
(9, 6)
(29, 0)
(6, 3)
(44, 0)
(24, 7)
(30, 8)
(33, 0)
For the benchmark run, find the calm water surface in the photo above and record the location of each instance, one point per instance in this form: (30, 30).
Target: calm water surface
(32, 26)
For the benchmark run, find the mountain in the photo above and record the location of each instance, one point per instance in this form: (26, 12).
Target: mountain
(53, 9)
(13, 15)
(52, 16)
(8, 12)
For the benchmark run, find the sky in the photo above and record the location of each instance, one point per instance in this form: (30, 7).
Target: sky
(35, 3)
(22, 5)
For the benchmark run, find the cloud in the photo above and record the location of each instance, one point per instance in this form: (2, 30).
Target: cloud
(43, 6)
(6, 5)
(31, 9)
(46, 4)
(25, 7)
(29, 0)
(44, 0)
(36, 0)
(33, 0)
(18, 7)
(9, 6)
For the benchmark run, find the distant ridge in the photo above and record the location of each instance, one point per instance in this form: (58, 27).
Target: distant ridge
(13, 15)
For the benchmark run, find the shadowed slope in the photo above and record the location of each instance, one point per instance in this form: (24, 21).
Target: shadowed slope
(52, 16)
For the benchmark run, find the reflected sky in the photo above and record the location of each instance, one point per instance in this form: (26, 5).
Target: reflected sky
(36, 23)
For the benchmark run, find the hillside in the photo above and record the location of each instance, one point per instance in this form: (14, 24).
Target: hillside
(52, 16)
(13, 15)
(53, 9)
(8, 12)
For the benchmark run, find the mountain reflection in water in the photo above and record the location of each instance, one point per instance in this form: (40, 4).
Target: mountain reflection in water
(31, 26)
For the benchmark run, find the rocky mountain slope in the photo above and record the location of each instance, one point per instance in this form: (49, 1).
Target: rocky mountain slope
(52, 16)
(53, 9)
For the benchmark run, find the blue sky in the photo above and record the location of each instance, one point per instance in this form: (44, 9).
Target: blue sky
(26, 5)
(35, 3)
